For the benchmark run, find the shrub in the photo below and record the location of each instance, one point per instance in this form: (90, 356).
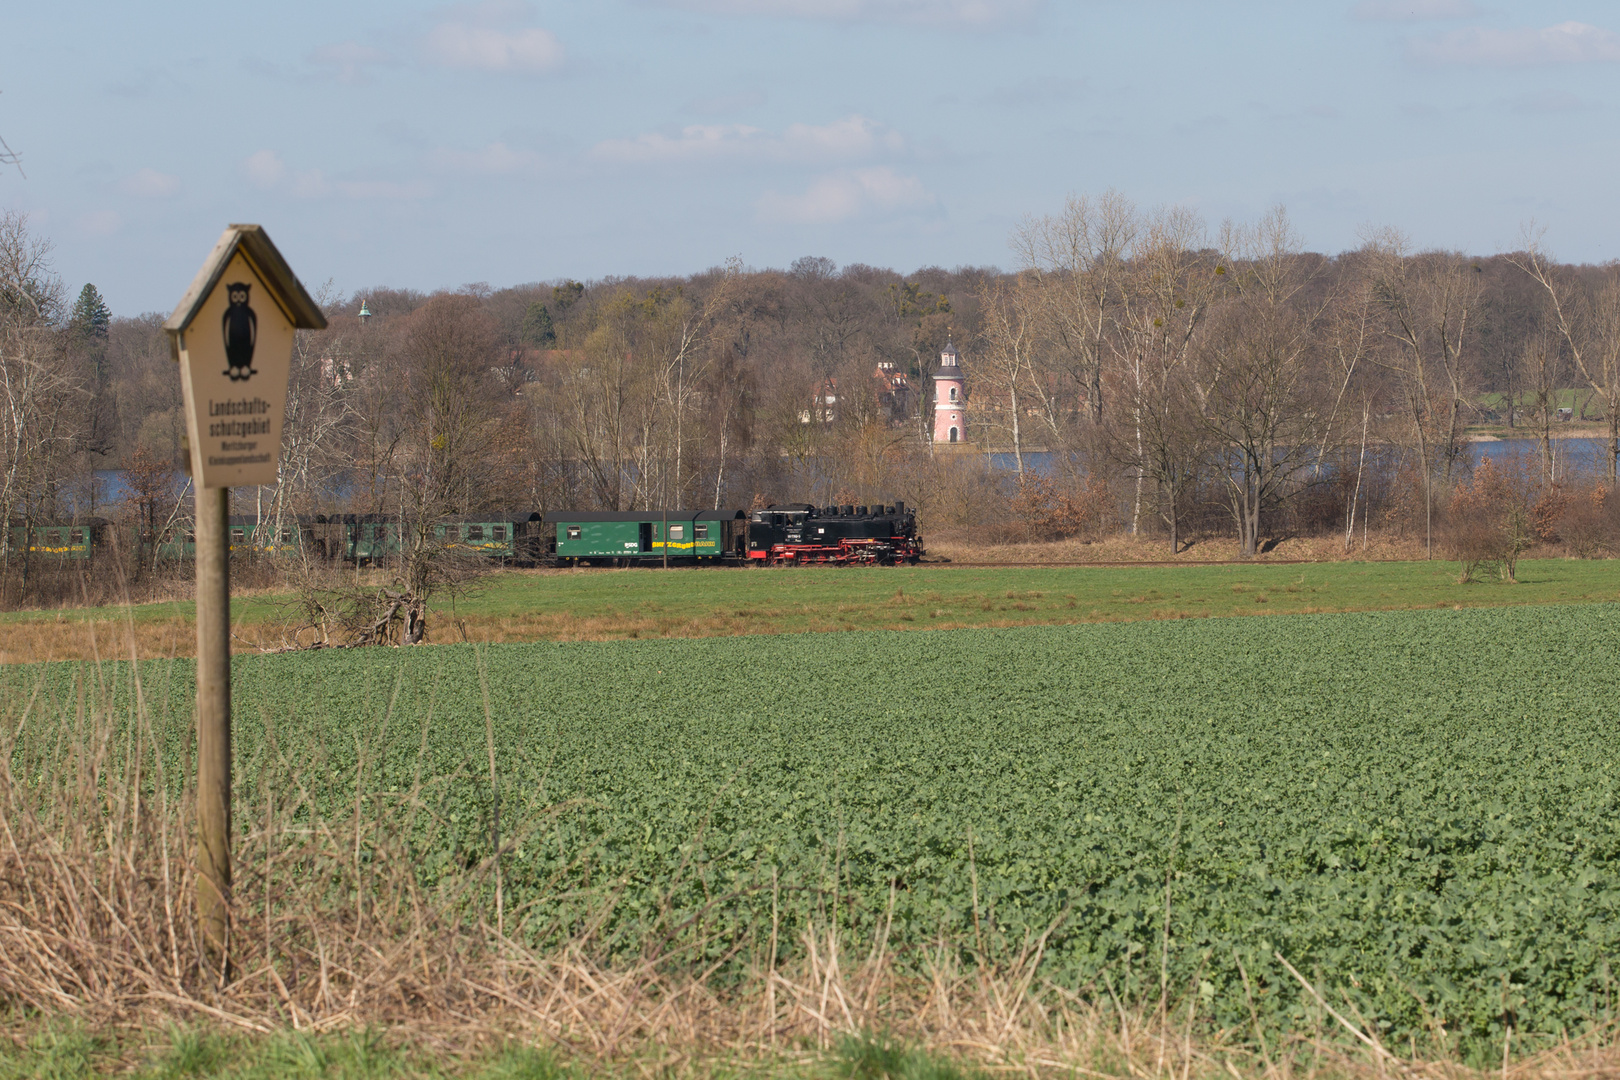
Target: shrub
(1589, 523)
(1492, 520)
(1044, 510)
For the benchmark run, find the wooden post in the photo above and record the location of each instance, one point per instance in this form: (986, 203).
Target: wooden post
(232, 336)
(214, 723)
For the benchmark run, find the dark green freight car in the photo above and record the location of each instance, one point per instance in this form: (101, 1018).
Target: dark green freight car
(598, 537)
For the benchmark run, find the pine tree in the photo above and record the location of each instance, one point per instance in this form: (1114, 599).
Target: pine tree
(538, 329)
(90, 315)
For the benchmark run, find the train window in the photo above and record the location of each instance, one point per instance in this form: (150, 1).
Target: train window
(237, 535)
(497, 532)
(438, 532)
(573, 532)
(54, 536)
(700, 532)
(677, 532)
(475, 532)
(76, 536)
(191, 538)
(286, 536)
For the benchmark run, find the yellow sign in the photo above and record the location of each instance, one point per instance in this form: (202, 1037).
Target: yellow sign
(233, 336)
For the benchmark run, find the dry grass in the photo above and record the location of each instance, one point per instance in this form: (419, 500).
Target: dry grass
(968, 546)
(63, 638)
(332, 929)
(609, 605)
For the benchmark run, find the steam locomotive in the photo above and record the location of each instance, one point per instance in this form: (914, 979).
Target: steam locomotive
(799, 534)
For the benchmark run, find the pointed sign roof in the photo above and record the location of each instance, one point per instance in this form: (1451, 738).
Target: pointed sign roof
(254, 244)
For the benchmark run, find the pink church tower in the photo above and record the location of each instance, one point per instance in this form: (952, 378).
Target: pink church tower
(950, 396)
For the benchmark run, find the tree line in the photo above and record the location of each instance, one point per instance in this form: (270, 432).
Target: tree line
(1133, 371)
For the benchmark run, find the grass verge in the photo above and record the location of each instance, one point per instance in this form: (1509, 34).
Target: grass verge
(606, 605)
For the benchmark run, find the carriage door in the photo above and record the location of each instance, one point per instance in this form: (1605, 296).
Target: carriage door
(646, 536)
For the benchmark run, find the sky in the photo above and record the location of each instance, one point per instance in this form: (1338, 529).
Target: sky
(392, 143)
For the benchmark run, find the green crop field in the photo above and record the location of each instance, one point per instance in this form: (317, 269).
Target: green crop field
(1419, 810)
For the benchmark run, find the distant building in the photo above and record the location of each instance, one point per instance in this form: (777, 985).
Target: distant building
(893, 392)
(824, 406)
(950, 398)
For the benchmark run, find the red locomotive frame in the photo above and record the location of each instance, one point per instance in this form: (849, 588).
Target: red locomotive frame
(847, 552)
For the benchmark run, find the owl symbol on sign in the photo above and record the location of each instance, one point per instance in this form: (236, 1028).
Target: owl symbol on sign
(241, 328)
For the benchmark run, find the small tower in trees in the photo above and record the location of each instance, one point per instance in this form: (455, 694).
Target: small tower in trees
(950, 396)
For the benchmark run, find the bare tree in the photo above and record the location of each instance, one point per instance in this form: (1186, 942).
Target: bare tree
(1004, 367)
(1426, 302)
(1259, 383)
(1542, 363)
(323, 373)
(1078, 258)
(1166, 291)
(38, 392)
(8, 156)
(1587, 319)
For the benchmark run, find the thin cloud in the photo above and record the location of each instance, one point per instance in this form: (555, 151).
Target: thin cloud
(350, 60)
(100, 223)
(382, 190)
(314, 184)
(491, 37)
(846, 195)
(264, 168)
(1415, 10)
(267, 170)
(1548, 101)
(723, 104)
(910, 12)
(1566, 43)
(150, 184)
(496, 159)
(1039, 91)
(850, 139)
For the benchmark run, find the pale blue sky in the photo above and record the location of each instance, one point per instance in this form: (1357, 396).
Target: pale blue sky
(420, 145)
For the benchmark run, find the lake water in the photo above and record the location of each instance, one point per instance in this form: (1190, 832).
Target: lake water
(1573, 456)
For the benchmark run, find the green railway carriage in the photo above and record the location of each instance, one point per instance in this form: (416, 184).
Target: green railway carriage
(56, 541)
(366, 538)
(374, 538)
(247, 536)
(491, 536)
(250, 535)
(177, 543)
(598, 537)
